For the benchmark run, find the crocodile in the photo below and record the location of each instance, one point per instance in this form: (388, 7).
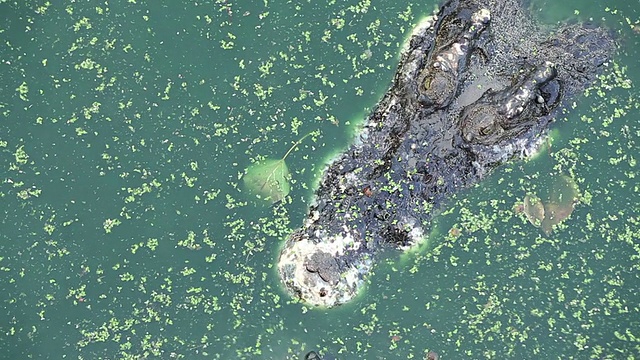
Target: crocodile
(477, 85)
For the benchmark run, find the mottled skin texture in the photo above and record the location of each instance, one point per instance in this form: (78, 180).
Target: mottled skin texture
(465, 99)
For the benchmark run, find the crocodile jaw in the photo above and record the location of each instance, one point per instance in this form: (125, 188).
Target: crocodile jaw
(316, 273)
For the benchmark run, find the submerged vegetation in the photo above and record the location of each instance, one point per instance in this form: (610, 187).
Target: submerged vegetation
(126, 231)
(561, 195)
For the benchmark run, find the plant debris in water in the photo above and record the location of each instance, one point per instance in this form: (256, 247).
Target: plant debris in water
(555, 208)
(269, 179)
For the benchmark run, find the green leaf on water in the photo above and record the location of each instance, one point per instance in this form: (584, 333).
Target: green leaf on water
(268, 179)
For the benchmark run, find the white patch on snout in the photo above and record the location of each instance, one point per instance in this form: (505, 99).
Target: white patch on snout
(309, 286)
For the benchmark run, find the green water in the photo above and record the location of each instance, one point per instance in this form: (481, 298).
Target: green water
(126, 232)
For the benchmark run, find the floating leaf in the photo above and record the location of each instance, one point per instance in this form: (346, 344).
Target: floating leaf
(557, 207)
(561, 202)
(534, 210)
(268, 180)
(556, 213)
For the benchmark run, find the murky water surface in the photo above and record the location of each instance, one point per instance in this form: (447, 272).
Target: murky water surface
(126, 231)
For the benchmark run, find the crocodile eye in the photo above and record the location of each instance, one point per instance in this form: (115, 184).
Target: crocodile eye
(487, 130)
